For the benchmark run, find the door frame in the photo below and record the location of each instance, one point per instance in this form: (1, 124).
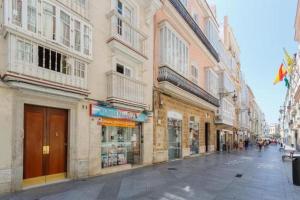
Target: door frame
(177, 116)
(207, 132)
(47, 111)
(218, 140)
(40, 99)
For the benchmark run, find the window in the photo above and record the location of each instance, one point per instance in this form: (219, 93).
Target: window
(81, 3)
(24, 52)
(17, 12)
(212, 33)
(53, 60)
(196, 17)
(86, 38)
(77, 37)
(194, 73)
(49, 21)
(79, 69)
(212, 82)
(173, 50)
(65, 28)
(184, 2)
(31, 15)
(124, 70)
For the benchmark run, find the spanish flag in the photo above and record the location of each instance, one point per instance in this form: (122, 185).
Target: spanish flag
(281, 74)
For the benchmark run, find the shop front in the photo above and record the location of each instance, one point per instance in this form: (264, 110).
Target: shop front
(121, 136)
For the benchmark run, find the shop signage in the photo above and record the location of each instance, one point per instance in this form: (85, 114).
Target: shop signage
(101, 111)
(116, 122)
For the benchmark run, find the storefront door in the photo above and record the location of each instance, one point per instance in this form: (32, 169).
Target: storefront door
(45, 144)
(174, 132)
(207, 131)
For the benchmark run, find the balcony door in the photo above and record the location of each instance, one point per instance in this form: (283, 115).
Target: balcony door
(125, 25)
(45, 144)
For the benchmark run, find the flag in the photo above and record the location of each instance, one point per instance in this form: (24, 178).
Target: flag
(281, 74)
(287, 83)
(289, 61)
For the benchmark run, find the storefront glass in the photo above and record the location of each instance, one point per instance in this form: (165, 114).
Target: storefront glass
(120, 145)
(174, 131)
(194, 136)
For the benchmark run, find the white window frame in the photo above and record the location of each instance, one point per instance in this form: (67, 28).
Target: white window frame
(125, 67)
(194, 77)
(65, 25)
(17, 13)
(77, 30)
(86, 40)
(34, 12)
(54, 17)
(23, 54)
(79, 69)
(174, 50)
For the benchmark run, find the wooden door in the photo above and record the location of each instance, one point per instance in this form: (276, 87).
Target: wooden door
(45, 142)
(34, 129)
(57, 140)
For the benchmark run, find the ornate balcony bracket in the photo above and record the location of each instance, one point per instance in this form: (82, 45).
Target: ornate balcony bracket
(169, 75)
(194, 26)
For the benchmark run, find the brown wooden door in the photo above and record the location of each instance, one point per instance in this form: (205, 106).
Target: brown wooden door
(44, 127)
(57, 129)
(34, 128)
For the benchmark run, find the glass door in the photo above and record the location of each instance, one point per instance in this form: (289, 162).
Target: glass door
(174, 132)
(194, 136)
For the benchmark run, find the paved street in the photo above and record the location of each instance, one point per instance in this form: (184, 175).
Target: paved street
(264, 176)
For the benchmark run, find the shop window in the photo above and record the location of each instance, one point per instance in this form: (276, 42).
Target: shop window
(194, 135)
(120, 145)
(65, 28)
(53, 60)
(49, 21)
(17, 12)
(31, 15)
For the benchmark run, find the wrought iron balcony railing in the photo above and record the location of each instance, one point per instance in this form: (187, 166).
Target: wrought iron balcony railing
(194, 26)
(169, 75)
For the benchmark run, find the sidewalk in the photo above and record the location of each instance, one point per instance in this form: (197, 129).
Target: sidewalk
(215, 177)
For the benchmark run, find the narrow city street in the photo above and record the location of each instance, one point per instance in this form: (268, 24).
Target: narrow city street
(263, 176)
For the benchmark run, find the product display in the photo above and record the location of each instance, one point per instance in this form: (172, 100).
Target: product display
(118, 145)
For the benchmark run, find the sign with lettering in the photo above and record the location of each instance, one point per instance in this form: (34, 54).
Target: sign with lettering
(116, 122)
(101, 111)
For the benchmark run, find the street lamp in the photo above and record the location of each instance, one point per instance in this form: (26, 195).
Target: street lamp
(225, 94)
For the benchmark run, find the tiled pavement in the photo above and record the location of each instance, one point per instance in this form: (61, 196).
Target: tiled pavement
(264, 177)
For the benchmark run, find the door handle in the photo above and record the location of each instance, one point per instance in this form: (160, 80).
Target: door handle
(46, 150)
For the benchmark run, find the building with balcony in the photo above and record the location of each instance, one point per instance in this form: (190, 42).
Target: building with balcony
(119, 119)
(45, 53)
(185, 101)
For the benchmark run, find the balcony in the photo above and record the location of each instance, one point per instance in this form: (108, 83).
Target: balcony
(194, 26)
(226, 114)
(126, 33)
(123, 89)
(167, 74)
(31, 65)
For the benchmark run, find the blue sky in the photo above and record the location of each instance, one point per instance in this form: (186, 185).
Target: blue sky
(263, 28)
